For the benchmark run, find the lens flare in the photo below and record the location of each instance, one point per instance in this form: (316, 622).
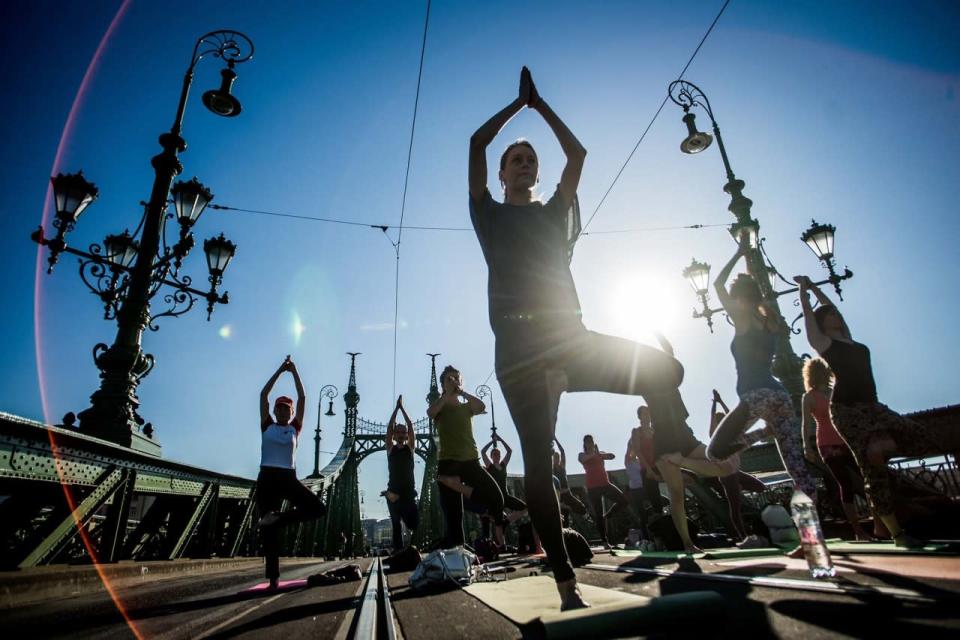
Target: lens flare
(225, 332)
(297, 328)
(38, 310)
(641, 304)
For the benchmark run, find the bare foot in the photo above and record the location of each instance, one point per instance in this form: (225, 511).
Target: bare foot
(570, 596)
(906, 541)
(692, 549)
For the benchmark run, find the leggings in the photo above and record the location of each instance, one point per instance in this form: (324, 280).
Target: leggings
(569, 503)
(534, 365)
(859, 424)
(403, 510)
(775, 408)
(274, 485)
(649, 493)
(841, 464)
(596, 496)
(486, 494)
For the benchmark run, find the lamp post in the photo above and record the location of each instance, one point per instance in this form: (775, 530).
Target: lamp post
(787, 365)
(483, 391)
(129, 270)
(330, 392)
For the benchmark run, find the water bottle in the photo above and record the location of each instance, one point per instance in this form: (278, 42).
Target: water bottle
(811, 535)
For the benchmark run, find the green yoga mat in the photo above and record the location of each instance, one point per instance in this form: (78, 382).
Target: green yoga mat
(712, 554)
(672, 555)
(889, 547)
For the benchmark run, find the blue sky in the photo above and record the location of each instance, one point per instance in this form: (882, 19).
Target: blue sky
(843, 112)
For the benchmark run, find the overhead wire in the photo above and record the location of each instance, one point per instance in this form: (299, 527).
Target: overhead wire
(403, 202)
(654, 118)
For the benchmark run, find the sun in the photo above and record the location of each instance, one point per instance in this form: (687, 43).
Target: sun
(639, 305)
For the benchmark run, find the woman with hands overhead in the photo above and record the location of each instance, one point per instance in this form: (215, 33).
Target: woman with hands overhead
(277, 480)
(401, 493)
(757, 325)
(873, 431)
(497, 468)
(459, 474)
(542, 347)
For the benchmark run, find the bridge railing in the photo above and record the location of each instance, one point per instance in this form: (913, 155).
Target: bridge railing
(369, 428)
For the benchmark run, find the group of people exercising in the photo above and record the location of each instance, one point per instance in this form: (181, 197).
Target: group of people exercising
(542, 349)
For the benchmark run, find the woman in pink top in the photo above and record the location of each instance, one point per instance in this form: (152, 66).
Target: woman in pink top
(599, 485)
(817, 380)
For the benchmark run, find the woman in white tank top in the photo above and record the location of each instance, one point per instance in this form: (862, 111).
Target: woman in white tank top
(277, 481)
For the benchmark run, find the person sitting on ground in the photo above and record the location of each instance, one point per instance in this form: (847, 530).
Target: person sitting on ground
(459, 474)
(498, 471)
(401, 493)
(873, 431)
(599, 486)
(277, 480)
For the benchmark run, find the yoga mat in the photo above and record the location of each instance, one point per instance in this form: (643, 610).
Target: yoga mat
(284, 585)
(672, 555)
(889, 547)
(523, 600)
(722, 554)
(535, 601)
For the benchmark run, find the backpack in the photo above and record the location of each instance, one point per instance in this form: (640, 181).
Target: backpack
(578, 549)
(443, 566)
(486, 549)
(346, 573)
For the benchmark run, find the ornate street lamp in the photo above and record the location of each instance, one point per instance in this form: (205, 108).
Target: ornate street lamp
(749, 228)
(126, 272)
(483, 391)
(820, 237)
(698, 275)
(330, 392)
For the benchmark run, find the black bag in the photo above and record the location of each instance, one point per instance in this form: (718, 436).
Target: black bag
(662, 527)
(486, 549)
(404, 560)
(578, 549)
(346, 573)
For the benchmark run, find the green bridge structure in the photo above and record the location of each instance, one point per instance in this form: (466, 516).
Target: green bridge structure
(69, 497)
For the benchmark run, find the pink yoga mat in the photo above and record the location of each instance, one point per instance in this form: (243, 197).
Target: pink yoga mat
(284, 585)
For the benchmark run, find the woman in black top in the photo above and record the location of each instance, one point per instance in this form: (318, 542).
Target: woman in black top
(542, 347)
(401, 494)
(497, 469)
(873, 431)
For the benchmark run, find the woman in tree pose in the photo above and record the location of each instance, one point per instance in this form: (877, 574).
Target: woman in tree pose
(459, 474)
(599, 486)
(873, 431)
(497, 469)
(277, 480)
(757, 325)
(569, 503)
(401, 494)
(542, 347)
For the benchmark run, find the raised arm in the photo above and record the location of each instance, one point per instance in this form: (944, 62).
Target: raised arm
(482, 137)
(411, 436)
(607, 456)
(483, 453)
(720, 284)
(817, 339)
(301, 396)
(507, 449)
(392, 426)
(563, 454)
(265, 392)
(572, 149)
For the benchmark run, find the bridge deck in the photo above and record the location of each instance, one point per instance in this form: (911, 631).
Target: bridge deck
(900, 594)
